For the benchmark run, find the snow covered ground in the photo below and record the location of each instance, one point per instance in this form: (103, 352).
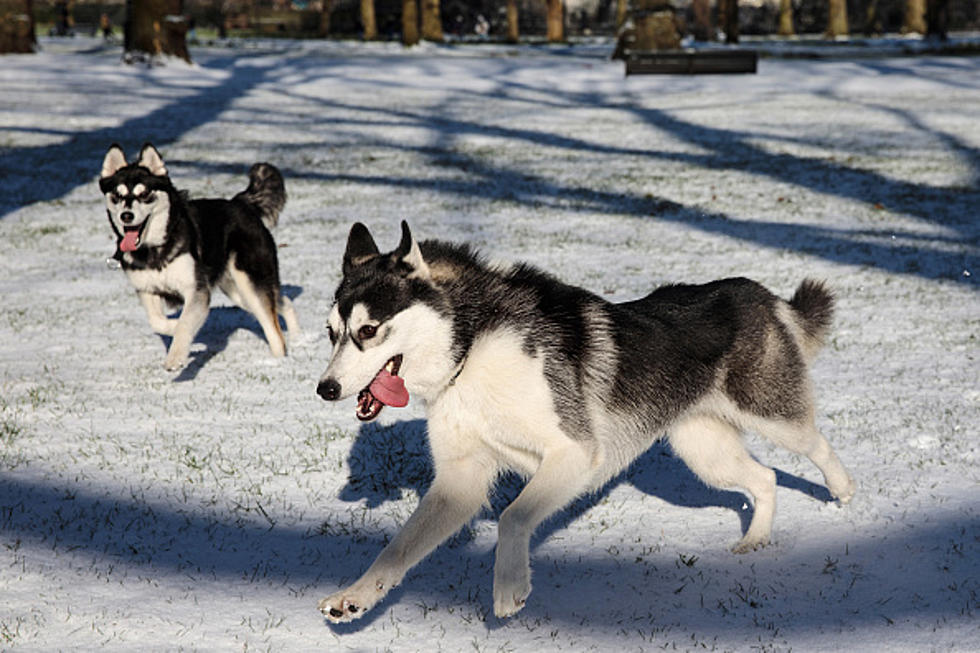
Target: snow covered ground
(211, 509)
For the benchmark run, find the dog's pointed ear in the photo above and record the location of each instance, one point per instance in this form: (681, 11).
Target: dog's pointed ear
(360, 247)
(409, 255)
(114, 161)
(152, 161)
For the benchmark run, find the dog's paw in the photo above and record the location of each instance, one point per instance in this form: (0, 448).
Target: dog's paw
(340, 609)
(510, 595)
(845, 493)
(508, 604)
(349, 604)
(750, 543)
(174, 363)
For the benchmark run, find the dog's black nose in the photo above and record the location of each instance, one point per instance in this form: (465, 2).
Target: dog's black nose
(328, 389)
(127, 217)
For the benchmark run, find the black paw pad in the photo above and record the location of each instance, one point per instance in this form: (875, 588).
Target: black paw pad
(335, 613)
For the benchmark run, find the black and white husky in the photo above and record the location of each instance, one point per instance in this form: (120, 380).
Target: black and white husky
(175, 250)
(519, 371)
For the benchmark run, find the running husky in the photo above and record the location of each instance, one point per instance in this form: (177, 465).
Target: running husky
(520, 371)
(176, 250)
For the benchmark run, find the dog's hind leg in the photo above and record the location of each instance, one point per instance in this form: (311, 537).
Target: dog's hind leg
(458, 491)
(807, 440)
(260, 304)
(159, 322)
(289, 316)
(713, 449)
(565, 472)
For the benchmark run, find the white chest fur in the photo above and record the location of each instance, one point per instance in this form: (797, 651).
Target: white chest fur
(501, 402)
(177, 278)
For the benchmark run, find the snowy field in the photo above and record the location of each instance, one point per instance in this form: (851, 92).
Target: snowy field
(213, 508)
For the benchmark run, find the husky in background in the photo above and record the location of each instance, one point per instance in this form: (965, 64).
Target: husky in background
(520, 371)
(175, 250)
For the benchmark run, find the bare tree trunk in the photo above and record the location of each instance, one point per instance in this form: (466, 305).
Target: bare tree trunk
(728, 19)
(556, 21)
(655, 27)
(17, 26)
(513, 29)
(872, 23)
(325, 13)
(702, 30)
(431, 21)
(937, 18)
(915, 17)
(153, 28)
(622, 11)
(368, 21)
(410, 22)
(837, 18)
(786, 18)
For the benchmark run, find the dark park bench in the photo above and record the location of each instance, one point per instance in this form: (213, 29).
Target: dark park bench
(691, 62)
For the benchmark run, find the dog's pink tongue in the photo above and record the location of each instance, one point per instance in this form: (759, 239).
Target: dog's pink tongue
(389, 389)
(130, 241)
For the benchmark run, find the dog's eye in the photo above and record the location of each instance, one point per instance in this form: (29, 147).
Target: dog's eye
(367, 332)
(115, 198)
(148, 197)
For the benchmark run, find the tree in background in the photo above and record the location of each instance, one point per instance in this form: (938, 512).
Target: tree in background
(728, 19)
(556, 21)
(915, 17)
(154, 28)
(431, 21)
(622, 13)
(654, 27)
(837, 18)
(513, 28)
(368, 21)
(872, 21)
(410, 22)
(937, 18)
(702, 29)
(786, 18)
(17, 26)
(325, 11)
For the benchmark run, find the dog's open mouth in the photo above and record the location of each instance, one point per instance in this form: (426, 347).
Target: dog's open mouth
(387, 389)
(131, 238)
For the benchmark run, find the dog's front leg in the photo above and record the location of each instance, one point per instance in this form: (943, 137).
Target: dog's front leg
(564, 473)
(159, 322)
(458, 491)
(195, 311)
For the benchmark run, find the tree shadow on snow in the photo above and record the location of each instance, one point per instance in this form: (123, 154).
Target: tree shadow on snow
(64, 164)
(221, 323)
(229, 538)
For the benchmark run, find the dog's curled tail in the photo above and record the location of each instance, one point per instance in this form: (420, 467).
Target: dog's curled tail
(813, 304)
(266, 191)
